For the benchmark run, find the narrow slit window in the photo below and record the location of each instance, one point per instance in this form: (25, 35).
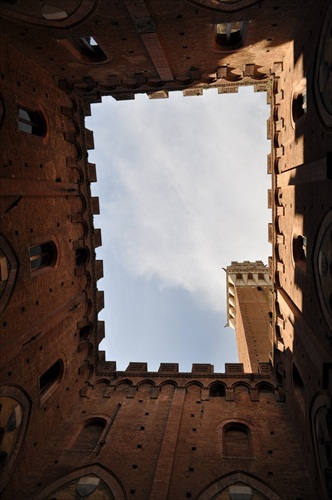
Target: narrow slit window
(50, 377)
(31, 122)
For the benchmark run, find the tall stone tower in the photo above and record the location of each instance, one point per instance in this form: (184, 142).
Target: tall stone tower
(249, 311)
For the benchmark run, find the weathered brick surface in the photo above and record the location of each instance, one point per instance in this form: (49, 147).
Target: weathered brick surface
(160, 434)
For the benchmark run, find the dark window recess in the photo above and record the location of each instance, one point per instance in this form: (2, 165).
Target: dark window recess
(237, 440)
(31, 122)
(89, 48)
(217, 391)
(299, 387)
(300, 251)
(266, 389)
(51, 376)
(85, 332)
(3, 460)
(299, 106)
(82, 256)
(43, 255)
(89, 436)
(300, 248)
(230, 34)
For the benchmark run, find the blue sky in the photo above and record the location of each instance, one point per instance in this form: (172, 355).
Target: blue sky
(183, 186)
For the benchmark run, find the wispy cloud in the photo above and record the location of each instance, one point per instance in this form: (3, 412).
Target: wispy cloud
(185, 188)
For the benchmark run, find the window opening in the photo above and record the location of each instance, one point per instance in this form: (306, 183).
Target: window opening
(31, 122)
(89, 436)
(299, 100)
(3, 460)
(217, 391)
(85, 332)
(300, 246)
(239, 492)
(43, 255)
(82, 256)
(50, 377)
(299, 107)
(299, 388)
(230, 34)
(87, 485)
(4, 272)
(237, 440)
(89, 48)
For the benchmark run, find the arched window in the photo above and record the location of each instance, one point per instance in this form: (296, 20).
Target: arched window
(43, 255)
(217, 390)
(240, 492)
(89, 436)
(300, 251)
(88, 482)
(299, 100)
(299, 107)
(31, 122)
(265, 389)
(14, 416)
(50, 378)
(230, 35)
(237, 442)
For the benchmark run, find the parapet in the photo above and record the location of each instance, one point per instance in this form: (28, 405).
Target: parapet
(198, 370)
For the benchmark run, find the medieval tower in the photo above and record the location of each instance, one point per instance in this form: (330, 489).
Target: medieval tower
(71, 424)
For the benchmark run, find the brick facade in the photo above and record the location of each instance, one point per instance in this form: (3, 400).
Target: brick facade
(70, 423)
